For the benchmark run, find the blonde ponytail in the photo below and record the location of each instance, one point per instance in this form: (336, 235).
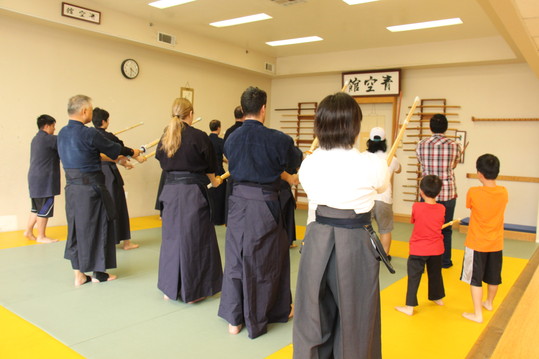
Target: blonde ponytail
(172, 137)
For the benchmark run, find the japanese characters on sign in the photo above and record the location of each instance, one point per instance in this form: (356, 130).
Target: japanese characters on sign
(81, 13)
(372, 83)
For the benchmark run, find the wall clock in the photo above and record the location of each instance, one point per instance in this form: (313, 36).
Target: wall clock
(130, 69)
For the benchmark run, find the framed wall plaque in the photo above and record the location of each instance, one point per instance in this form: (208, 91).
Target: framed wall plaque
(188, 93)
(81, 13)
(372, 83)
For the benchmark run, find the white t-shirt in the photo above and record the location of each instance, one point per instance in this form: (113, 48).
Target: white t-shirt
(387, 195)
(343, 179)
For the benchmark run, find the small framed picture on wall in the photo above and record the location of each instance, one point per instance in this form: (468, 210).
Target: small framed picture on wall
(460, 138)
(188, 93)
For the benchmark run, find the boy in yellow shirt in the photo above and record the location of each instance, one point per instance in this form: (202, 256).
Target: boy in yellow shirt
(484, 241)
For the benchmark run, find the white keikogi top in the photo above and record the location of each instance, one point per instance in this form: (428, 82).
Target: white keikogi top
(387, 195)
(342, 179)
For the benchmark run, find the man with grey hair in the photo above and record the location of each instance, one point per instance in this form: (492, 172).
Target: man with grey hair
(90, 212)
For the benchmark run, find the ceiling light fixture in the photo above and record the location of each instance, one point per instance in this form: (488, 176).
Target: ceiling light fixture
(355, 2)
(425, 25)
(241, 20)
(299, 40)
(162, 4)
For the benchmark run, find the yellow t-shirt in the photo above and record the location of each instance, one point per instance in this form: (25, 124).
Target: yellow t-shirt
(487, 204)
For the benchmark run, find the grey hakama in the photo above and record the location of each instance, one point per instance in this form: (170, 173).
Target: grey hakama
(90, 214)
(337, 310)
(115, 186)
(256, 285)
(189, 263)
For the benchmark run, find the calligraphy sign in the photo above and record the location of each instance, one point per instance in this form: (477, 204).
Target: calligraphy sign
(372, 83)
(81, 13)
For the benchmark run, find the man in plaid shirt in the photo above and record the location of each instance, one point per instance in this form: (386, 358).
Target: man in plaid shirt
(438, 155)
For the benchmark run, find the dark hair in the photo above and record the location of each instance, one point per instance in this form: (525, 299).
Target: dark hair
(45, 120)
(488, 165)
(214, 125)
(99, 116)
(375, 146)
(337, 121)
(431, 185)
(438, 123)
(252, 100)
(238, 113)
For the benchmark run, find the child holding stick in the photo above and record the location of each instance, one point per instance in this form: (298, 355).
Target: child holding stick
(484, 241)
(426, 245)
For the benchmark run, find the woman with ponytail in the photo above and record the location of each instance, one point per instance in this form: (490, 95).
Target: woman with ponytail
(189, 264)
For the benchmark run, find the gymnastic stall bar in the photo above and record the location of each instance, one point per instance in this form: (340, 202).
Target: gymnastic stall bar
(428, 119)
(428, 129)
(436, 106)
(299, 124)
(434, 113)
(509, 178)
(504, 119)
(428, 135)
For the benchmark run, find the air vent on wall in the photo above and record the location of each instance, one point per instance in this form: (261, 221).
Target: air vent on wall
(287, 2)
(166, 38)
(269, 67)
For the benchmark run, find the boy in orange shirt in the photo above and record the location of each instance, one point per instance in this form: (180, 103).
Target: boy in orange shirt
(484, 241)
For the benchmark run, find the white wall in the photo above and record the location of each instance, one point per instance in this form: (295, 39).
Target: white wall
(42, 65)
(493, 91)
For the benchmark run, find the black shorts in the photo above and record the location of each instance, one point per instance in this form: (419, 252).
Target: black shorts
(479, 267)
(43, 207)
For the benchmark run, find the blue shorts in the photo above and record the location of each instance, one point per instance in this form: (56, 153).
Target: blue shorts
(479, 267)
(43, 207)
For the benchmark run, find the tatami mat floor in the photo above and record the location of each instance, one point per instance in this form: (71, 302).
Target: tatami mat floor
(43, 315)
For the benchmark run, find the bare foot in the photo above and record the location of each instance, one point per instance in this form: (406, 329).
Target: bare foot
(46, 240)
(234, 329)
(29, 235)
(473, 317)
(487, 306)
(165, 297)
(291, 315)
(111, 277)
(82, 279)
(439, 302)
(406, 310)
(129, 245)
(197, 300)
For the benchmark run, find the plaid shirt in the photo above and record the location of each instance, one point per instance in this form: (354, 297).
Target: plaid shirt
(437, 154)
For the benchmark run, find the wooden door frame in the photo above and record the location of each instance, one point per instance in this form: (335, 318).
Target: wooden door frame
(393, 100)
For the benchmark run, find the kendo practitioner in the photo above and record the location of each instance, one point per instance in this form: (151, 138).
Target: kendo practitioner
(256, 284)
(217, 195)
(114, 180)
(90, 211)
(337, 303)
(239, 118)
(189, 264)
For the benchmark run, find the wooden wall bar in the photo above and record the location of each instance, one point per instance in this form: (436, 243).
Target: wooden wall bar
(504, 119)
(509, 178)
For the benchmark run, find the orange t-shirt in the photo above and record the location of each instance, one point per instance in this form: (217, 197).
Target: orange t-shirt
(487, 204)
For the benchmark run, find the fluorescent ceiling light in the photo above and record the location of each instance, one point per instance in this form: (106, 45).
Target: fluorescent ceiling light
(355, 2)
(241, 20)
(425, 25)
(162, 4)
(299, 40)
